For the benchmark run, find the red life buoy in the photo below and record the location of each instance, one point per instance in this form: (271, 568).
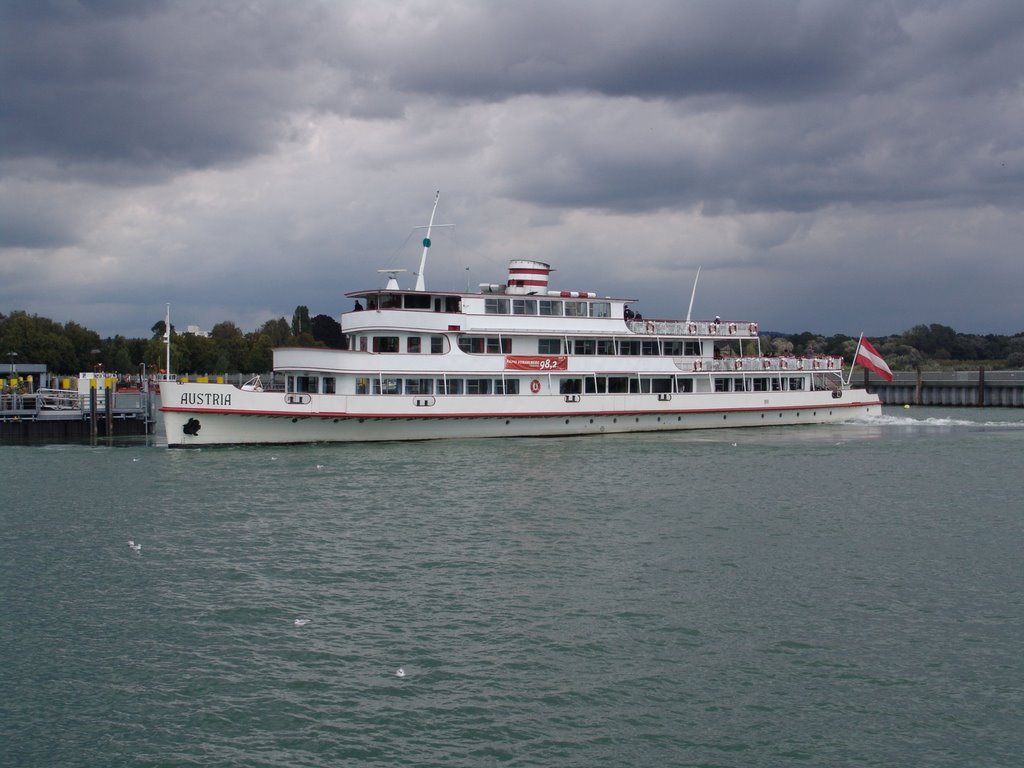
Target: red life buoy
(535, 386)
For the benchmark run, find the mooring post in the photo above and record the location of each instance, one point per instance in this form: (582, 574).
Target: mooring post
(981, 387)
(108, 391)
(93, 405)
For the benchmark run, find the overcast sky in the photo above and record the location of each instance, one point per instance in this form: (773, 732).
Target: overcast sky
(831, 166)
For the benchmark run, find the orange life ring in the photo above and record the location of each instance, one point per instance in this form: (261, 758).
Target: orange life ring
(535, 386)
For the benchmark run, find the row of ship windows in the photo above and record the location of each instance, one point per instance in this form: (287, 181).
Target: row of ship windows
(502, 345)
(548, 307)
(567, 385)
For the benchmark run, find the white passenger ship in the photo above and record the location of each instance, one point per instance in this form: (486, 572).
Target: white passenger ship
(513, 360)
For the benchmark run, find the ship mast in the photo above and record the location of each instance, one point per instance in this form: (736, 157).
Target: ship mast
(426, 246)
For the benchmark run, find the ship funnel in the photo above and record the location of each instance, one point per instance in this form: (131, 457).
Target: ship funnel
(525, 276)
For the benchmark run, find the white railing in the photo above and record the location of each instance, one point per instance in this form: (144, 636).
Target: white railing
(770, 364)
(717, 328)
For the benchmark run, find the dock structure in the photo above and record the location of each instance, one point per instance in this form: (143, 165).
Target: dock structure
(980, 388)
(93, 407)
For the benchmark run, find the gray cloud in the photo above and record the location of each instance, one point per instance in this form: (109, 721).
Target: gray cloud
(231, 155)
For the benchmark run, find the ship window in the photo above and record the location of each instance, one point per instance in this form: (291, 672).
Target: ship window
(328, 385)
(362, 343)
(362, 386)
(596, 384)
(737, 385)
(419, 386)
(618, 385)
(693, 348)
(387, 386)
(584, 346)
(575, 309)
(600, 309)
(506, 386)
(549, 346)
(684, 385)
(437, 345)
(413, 344)
(606, 346)
(473, 345)
(449, 386)
(672, 348)
(307, 384)
(760, 384)
(570, 386)
(497, 346)
(385, 343)
(649, 347)
(478, 386)
(524, 306)
(390, 300)
(634, 386)
(776, 385)
(796, 383)
(661, 385)
(549, 307)
(496, 306)
(721, 385)
(417, 301)
(629, 347)
(452, 304)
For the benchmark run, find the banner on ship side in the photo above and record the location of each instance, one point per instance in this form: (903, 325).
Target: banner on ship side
(536, 363)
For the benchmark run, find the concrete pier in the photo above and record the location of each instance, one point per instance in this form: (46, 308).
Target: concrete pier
(980, 388)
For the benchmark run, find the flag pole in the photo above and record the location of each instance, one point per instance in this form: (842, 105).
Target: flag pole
(854, 361)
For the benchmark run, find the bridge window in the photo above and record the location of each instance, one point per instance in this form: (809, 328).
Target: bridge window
(600, 309)
(417, 301)
(496, 306)
(575, 309)
(548, 307)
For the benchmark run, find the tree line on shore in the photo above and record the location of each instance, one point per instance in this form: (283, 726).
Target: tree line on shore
(69, 348)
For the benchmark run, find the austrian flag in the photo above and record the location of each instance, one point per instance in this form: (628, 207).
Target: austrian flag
(868, 356)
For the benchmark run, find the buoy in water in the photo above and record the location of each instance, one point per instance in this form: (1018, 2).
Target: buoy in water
(906, 406)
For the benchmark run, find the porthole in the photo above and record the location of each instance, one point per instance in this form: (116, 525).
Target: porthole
(294, 421)
(566, 421)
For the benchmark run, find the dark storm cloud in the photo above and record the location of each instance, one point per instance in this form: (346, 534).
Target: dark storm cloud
(153, 85)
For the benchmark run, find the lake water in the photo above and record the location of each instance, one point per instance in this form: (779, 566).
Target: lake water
(845, 595)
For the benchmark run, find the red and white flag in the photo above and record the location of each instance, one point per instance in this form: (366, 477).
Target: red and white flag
(868, 356)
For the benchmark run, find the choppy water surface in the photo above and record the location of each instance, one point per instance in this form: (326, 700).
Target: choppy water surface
(835, 595)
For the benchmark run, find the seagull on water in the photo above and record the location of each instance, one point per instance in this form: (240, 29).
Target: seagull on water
(400, 672)
(134, 547)
(301, 622)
